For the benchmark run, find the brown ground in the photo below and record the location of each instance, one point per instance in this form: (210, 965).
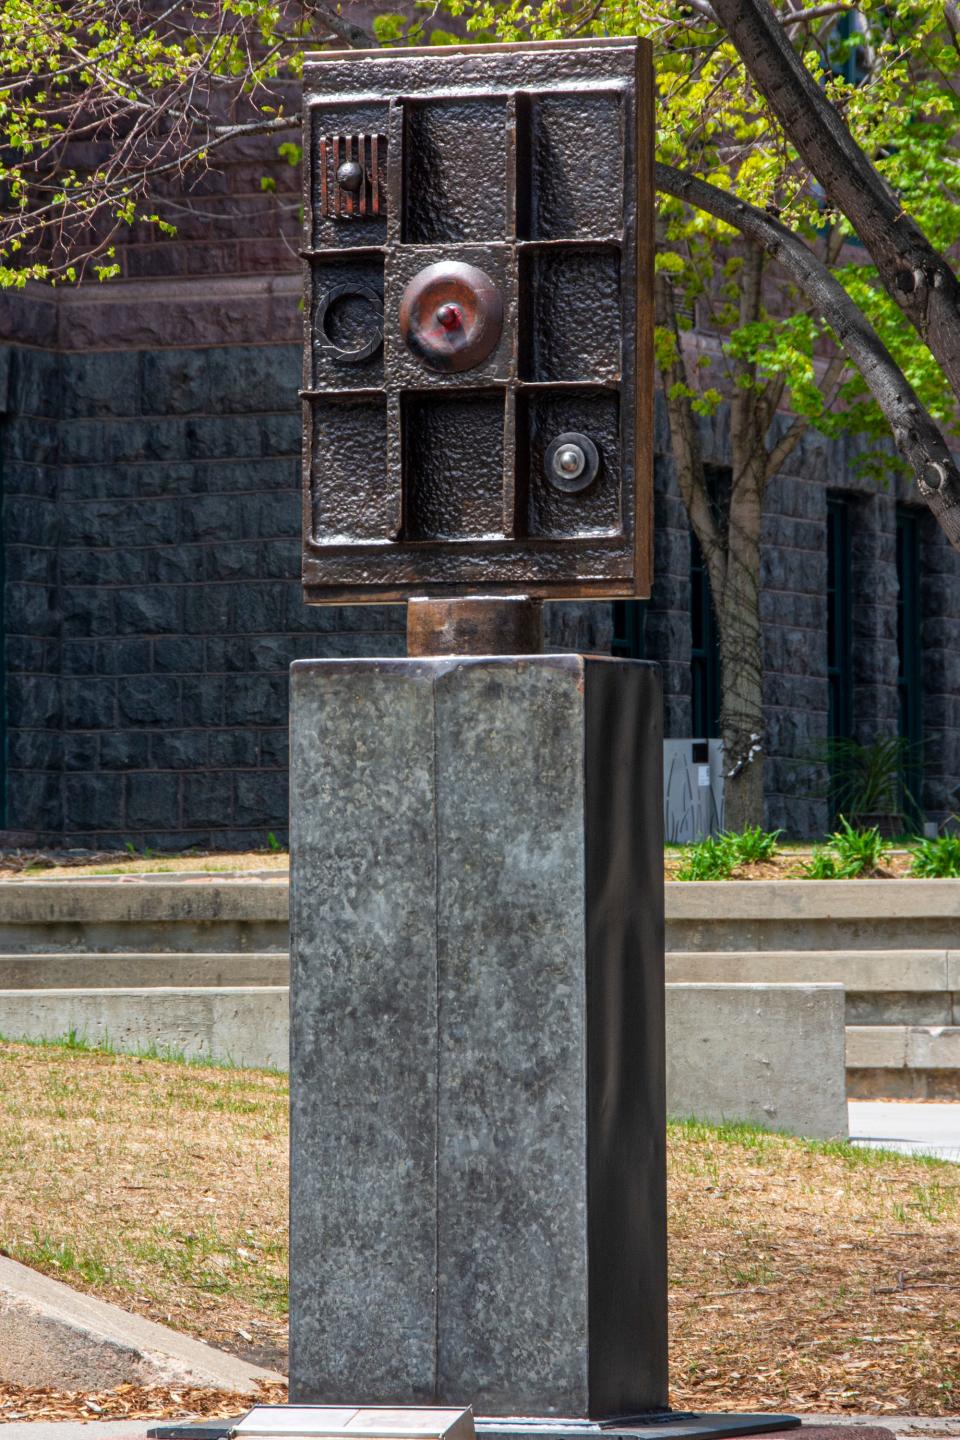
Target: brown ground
(92, 864)
(86, 864)
(788, 865)
(804, 1277)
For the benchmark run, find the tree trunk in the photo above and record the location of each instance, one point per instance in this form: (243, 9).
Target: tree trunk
(738, 604)
(741, 651)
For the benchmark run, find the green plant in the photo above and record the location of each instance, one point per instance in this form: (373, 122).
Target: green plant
(273, 842)
(716, 857)
(754, 845)
(708, 859)
(870, 780)
(937, 859)
(848, 852)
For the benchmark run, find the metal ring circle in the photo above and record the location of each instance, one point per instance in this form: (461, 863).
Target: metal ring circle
(572, 484)
(328, 345)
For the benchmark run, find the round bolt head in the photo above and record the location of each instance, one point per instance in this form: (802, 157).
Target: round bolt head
(571, 462)
(349, 175)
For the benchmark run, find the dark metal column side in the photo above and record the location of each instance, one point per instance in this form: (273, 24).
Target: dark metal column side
(626, 1101)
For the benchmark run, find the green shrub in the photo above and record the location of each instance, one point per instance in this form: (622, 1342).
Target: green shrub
(719, 855)
(847, 853)
(868, 781)
(754, 845)
(937, 859)
(708, 859)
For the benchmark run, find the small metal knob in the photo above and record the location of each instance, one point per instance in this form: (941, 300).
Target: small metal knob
(349, 175)
(449, 317)
(571, 462)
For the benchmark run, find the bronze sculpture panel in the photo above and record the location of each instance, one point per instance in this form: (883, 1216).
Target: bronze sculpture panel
(478, 369)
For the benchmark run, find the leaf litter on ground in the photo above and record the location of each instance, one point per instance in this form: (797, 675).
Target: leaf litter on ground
(804, 1276)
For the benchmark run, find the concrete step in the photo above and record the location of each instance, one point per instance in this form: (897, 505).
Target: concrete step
(144, 913)
(116, 969)
(898, 1047)
(899, 971)
(882, 987)
(820, 915)
(920, 1062)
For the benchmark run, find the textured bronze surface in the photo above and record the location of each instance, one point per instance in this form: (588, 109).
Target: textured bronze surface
(513, 261)
(475, 625)
(451, 316)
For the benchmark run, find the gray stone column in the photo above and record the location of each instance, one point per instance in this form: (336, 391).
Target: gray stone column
(478, 1176)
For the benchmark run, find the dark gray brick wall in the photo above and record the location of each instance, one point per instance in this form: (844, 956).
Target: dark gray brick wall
(151, 516)
(152, 603)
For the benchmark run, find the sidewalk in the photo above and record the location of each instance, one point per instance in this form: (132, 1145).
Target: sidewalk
(899, 1427)
(909, 1127)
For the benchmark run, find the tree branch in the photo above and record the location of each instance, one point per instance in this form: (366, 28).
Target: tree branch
(789, 22)
(915, 433)
(912, 271)
(799, 425)
(352, 35)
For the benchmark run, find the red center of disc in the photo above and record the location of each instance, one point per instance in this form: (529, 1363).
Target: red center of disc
(449, 317)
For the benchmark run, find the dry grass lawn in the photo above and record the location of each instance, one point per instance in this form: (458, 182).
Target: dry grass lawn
(804, 1277)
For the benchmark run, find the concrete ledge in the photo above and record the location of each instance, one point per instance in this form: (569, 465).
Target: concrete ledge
(79, 970)
(770, 1054)
(812, 899)
(876, 1047)
(52, 1335)
(139, 900)
(895, 1047)
(889, 971)
(246, 1025)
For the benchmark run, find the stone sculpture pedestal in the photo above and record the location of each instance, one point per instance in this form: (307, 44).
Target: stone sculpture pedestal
(478, 1208)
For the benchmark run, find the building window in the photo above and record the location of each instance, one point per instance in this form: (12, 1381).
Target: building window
(704, 650)
(839, 621)
(629, 629)
(909, 656)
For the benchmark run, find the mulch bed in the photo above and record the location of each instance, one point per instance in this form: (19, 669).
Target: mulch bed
(128, 1402)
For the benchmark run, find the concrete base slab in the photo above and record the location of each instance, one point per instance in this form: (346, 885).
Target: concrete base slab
(76, 1429)
(53, 1336)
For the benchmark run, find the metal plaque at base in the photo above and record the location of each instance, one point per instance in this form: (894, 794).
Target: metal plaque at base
(657, 1425)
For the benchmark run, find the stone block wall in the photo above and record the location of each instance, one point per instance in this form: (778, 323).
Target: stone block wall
(151, 522)
(794, 616)
(152, 600)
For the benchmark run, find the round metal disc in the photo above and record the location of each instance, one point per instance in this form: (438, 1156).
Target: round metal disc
(451, 316)
(571, 462)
